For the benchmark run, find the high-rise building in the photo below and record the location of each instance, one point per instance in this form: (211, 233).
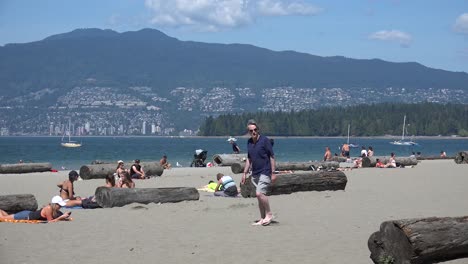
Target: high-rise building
(143, 129)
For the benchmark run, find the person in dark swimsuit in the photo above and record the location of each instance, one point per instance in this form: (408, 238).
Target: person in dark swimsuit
(50, 213)
(67, 191)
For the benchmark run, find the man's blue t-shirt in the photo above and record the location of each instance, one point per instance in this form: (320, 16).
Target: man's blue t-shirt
(259, 154)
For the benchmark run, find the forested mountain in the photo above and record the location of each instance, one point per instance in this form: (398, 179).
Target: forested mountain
(366, 120)
(150, 58)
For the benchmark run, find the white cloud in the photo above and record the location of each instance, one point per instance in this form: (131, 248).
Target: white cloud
(213, 15)
(404, 39)
(461, 24)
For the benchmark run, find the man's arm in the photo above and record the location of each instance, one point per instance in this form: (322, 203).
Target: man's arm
(273, 166)
(246, 170)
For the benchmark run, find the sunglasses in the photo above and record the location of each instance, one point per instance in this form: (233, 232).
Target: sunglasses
(252, 130)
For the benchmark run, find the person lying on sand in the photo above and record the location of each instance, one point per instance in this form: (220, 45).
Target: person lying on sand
(50, 212)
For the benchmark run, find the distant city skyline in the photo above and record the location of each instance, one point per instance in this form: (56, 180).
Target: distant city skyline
(433, 33)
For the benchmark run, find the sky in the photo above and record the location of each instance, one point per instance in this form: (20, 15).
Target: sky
(431, 32)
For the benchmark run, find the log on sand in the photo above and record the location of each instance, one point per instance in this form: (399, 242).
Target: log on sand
(434, 157)
(99, 171)
(461, 157)
(400, 161)
(283, 166)
(25, 167)
(14, 203)
(228, 159)
(300, 181)
(338, 159)
(423, 240)
(117, 197)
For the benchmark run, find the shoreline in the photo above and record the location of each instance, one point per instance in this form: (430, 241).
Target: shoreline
(246, 136)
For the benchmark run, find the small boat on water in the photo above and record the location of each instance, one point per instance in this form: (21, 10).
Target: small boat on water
(402, 141)
(70, 143)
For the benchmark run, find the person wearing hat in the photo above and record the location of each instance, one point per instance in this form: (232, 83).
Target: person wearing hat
(235, 147)
(120, 170)
(67, 190)
(136, 171)
(50, 212)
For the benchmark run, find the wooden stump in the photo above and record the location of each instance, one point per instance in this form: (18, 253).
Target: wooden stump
(282, 166)
(117, 197)
(300, 181)
(423, 240)
(229, 159)
(18, 202)
(99, 171)
(461, 157)
(25, 168)
(400, 161)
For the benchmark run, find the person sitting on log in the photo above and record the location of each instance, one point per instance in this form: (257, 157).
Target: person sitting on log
(67, 191)
(358, 161)
(328, 155)
(163, 162)
(136, 171)
(126, 181)
(391, 162)
(50, 212)
(226, 186)
(120, 169)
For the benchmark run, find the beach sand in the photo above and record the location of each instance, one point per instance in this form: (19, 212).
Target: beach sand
(312, 227)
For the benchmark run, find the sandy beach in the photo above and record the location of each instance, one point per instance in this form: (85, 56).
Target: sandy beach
(313, 227)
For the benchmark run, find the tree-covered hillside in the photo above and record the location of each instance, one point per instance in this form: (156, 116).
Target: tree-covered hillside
(425, 119)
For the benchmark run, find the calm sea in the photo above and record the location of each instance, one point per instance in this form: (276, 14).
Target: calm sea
(181, 150)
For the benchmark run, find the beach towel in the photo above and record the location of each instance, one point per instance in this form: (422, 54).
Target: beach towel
(29, 221)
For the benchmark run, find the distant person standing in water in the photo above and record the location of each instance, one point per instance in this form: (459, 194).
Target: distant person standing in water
(328, 155)
(262, 159)
(345, 150)
(235, 147)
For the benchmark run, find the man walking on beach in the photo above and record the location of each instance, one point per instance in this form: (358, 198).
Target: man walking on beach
(262, 159)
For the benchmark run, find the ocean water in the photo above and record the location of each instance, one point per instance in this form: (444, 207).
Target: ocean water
(181, 150)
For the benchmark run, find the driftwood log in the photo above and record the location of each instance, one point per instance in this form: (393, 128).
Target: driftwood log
(462, 157)
(228, 159)
(300, 181)
(338, 159)
(400, 161)
(14, 203)
(282, 166)
(99, 171)
(25, 167)
(423, 240)
(117, 197)
(434, 157)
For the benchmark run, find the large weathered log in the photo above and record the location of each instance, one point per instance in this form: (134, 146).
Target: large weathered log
(338, 159)
(434, 157)
(400, 161)
(25, 167)
(300, 181)
(462, 157)
(282, 166)
(99, 171)
(228, 159)
(14, 203)
(423, 240)
(116, 197)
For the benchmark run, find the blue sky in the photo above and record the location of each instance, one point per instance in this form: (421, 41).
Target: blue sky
(433, 33)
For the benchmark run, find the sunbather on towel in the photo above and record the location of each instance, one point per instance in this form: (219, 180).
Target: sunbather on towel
(50, 212)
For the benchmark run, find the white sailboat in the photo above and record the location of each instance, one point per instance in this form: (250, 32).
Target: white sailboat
(351, 145)
(70, 143)
(402, 142)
